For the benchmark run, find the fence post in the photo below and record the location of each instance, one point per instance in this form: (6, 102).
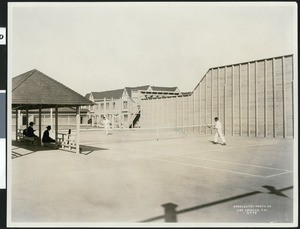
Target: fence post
(170, 212)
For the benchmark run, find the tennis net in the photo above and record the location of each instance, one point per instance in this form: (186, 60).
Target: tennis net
(141, 134)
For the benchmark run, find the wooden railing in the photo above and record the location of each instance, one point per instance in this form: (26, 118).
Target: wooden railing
(67, 141)
(20, 135)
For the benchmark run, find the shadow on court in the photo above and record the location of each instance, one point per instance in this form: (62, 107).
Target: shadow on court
(170, 212)
(20, 149)
(216, 143)
(84, 149)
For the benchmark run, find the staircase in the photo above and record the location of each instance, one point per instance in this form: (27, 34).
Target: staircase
(135, 119)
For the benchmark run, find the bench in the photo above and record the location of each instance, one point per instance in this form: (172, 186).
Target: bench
(52, 145)
(21, 137)
(28, 139)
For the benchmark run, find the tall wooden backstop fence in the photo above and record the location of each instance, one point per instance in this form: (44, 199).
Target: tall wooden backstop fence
(253, 98)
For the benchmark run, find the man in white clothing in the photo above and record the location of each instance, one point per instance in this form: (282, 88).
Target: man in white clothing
(218, 128)
(106, 124)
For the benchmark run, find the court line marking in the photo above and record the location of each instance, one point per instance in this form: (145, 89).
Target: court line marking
(223, 170)
(187, 164)
(239, 147)
(278, 174)
(221, 161)
(228, 162)
(134, 154)
(236, 163)
(197, 166)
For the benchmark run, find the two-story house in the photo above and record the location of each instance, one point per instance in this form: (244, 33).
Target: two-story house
(122, 106)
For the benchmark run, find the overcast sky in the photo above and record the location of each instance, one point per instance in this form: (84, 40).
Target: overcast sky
(104, 46)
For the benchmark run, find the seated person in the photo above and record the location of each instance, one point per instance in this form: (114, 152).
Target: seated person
(30, 130)
(46, 136)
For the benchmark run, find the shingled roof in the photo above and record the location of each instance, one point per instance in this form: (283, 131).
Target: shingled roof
(129, 89)
(34, 89)
(154, 88)
(115, 94)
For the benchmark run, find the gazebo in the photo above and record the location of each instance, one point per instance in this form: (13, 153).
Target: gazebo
(34, 90)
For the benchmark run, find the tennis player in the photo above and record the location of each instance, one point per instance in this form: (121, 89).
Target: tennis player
(218, 127)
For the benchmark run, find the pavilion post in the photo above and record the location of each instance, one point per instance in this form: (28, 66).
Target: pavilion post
(40, 125)
(20, 115)
(27, 117)
(17, 117)
(56, 124)
(51, 124)
(77, 128)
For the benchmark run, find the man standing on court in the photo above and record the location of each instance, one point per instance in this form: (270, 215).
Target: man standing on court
(218, 128)
(106, 124)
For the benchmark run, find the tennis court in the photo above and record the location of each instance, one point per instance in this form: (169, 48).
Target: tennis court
(126, 177)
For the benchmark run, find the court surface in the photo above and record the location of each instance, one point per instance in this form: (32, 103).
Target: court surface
(126, 177)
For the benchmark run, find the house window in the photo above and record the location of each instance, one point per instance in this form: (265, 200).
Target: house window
(124, 104)
(114, 105)
(102, 106)
(107, 105)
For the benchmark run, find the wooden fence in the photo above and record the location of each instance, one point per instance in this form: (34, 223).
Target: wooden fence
(251, 99)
